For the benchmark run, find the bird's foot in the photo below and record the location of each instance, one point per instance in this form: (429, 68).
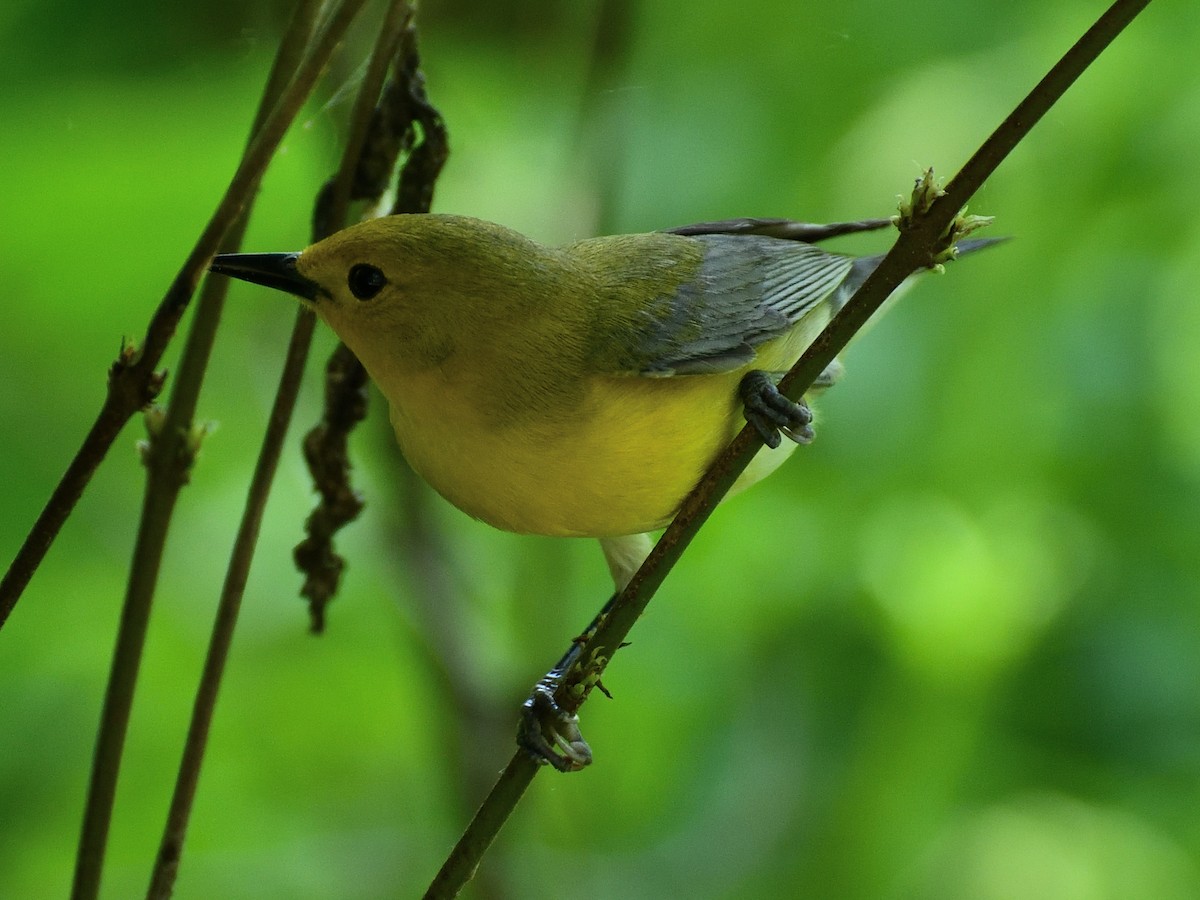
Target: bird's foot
(773, 414)
(548, 732)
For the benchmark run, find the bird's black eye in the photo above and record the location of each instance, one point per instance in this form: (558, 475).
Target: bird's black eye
(365, 281)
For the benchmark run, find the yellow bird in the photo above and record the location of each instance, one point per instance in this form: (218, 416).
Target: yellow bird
(578, 390)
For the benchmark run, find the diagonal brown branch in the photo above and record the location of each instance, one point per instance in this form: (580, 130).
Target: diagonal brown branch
(133, 380)
(917, 246)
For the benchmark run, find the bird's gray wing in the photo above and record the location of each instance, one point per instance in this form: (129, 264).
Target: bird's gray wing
(748, 290)
(757, 279)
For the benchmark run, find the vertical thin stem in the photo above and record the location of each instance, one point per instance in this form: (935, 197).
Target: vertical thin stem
(172, 448)
(166, 866)
(333, 205)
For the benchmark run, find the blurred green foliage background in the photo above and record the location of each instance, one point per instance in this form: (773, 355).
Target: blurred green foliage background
(952, 650)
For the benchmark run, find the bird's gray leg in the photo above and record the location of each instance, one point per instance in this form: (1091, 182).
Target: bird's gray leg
(548, 732)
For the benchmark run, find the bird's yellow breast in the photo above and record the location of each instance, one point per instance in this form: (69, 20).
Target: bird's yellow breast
(621, 463)
(619, 460)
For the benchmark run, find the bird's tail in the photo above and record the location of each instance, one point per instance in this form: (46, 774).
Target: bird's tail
(965, 247)
(865, 265)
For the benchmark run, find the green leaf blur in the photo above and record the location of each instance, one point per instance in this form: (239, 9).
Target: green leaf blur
(951, 650)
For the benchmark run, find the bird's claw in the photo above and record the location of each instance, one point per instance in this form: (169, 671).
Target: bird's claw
(549, 733)
(773, 414)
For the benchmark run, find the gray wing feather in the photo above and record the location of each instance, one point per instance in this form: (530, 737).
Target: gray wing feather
(752, 288)
(749, 291)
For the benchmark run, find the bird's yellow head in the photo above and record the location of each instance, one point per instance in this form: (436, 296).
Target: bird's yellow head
(407, 292)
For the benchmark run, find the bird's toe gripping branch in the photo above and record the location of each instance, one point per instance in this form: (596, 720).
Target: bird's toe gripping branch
(773, 414)
(550, 734)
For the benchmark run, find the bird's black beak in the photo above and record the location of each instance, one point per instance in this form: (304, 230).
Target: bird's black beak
(273, 270)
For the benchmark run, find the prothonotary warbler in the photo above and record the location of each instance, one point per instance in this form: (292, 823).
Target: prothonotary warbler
(578, 390)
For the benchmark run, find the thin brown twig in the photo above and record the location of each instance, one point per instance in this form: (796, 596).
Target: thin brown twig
(174, 442)
(333, 206)
(133, 379)
(166, 864)
(916, 247)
